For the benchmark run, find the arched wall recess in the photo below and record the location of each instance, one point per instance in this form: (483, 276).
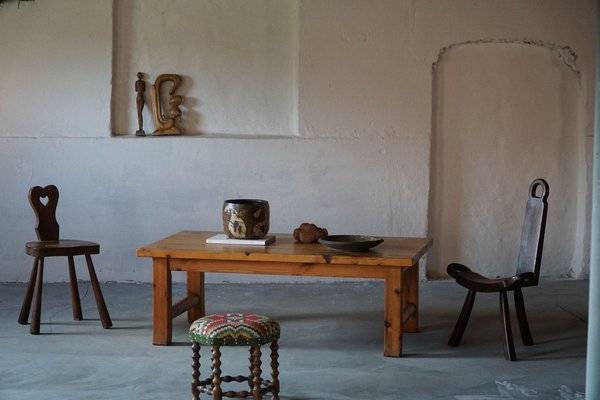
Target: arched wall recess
(18, 4)
(503, 113)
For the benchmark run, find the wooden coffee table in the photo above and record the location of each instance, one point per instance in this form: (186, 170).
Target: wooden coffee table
(396, 261)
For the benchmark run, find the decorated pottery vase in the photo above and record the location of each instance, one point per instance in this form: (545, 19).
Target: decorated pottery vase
(246, 218)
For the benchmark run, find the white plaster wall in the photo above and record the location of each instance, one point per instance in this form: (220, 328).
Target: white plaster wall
(55, 66)
(321, 107)
(359, 74)
(179, 185)
(483, 162)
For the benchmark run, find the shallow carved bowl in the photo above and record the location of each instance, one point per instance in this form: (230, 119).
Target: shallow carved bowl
(246, 218)
(350, 242)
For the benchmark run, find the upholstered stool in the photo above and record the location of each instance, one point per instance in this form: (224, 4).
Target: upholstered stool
(235, 330)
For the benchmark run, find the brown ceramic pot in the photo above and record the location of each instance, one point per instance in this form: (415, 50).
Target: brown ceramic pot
(246, 218)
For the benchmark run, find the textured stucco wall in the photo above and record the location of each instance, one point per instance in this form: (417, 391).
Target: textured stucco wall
(237, 58)
(55, 66)
(322, 107)
(141, 199)
(510, 119)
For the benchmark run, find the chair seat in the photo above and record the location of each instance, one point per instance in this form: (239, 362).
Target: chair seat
(228, 329)
(474, 281)
(55, 248)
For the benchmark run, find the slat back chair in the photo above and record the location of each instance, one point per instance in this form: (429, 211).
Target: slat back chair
(527, 274)
(49, 245)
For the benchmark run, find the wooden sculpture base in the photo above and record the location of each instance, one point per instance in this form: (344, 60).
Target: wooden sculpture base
(167, 132)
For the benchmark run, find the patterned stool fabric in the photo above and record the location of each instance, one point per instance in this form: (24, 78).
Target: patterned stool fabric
(235, 330)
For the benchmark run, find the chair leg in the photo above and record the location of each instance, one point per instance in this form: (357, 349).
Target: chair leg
(461, 323)
(509, 346)
(102, 310)
(75, 302)
(34, 329)
(26, 307)
(522, 318)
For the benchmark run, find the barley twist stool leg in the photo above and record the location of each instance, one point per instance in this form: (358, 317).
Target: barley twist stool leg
(216, 373)
(251, 366)
(256, 371)
(212, 359)
(275, 370)
(195, 371)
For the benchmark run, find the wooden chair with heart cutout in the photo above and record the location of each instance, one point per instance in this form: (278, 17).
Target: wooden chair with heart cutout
(49, 245)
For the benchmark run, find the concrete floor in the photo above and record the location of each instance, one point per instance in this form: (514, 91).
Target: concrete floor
(331, 345)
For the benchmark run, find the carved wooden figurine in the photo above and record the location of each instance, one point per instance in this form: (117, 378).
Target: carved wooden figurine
(140, 88)
(309, 233)
(165, 124)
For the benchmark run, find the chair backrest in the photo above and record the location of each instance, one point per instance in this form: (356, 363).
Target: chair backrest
(47, 227)
(534, 226)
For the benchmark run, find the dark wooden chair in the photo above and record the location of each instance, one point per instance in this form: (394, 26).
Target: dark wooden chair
(49, 245)
(528, 272)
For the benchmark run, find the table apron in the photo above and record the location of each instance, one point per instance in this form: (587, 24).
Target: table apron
(281, 268)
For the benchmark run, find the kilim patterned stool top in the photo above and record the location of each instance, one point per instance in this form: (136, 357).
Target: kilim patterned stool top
(235, 330)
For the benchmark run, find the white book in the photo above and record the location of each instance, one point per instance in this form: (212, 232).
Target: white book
(222, 238)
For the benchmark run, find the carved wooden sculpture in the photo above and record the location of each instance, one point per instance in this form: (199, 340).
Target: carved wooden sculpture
(309, 233)
(140, 88)
(165, 124)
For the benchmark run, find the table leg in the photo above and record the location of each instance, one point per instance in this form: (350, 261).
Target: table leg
(162, 302)
(195, 287)
(412, 297)
(392, 335)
